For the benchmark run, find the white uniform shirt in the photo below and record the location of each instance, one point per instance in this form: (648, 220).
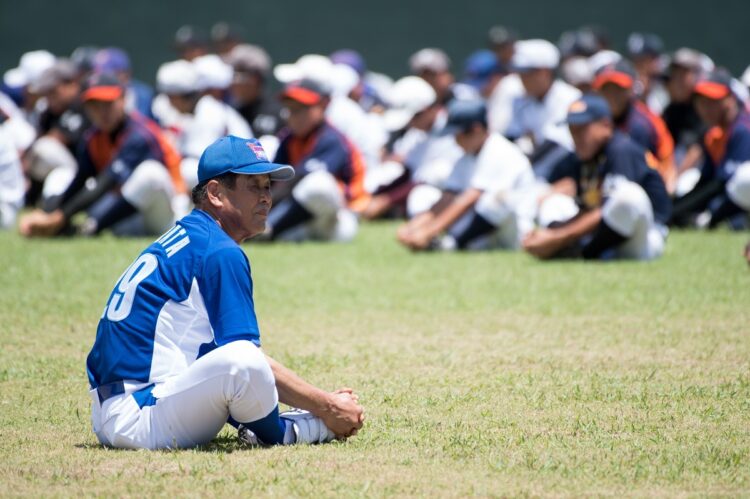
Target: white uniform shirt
(499, 166)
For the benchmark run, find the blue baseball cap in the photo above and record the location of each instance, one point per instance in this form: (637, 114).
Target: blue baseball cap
(463, 113)
(111, 60)
(587, 109)
(238, 155)
(480, 66)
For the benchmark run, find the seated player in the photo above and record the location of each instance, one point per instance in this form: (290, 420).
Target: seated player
(135, 171)
(607, 203)
(615, 83)
(177, 352)
(486, 201)
(329, 186)
(723, 190)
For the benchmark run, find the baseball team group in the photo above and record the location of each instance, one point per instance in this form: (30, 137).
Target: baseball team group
(561, 150)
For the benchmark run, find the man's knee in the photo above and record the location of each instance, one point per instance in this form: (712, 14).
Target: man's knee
(245, 362)
(557, 208)
(150, 178)
(319, 193)
(738, 187)
(421, 199)
(627, 206)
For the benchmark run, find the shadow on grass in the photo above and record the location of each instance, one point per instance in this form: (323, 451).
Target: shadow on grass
(224, 444)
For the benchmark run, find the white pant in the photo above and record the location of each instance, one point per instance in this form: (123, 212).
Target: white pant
(421, 199)
(511, 212)
(51, 163)
(191, 407)
(738, 186)
(319, 193)
(627, 211)
(149, 189)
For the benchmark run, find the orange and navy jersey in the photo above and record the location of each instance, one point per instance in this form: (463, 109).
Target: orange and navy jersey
(327, 148)
(726, 148)
(119, 153)
(649, 131)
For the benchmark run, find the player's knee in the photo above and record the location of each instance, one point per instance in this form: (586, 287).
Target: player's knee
(738, 187)
(246, 361)
(557, 208)
(493, 208)
(421, 199)
(628, 204)
(150, 178)
(319, 193)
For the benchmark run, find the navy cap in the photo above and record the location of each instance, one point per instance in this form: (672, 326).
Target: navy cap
(715, 85)
(238, 155)
(462, 113)
(621, 73)
(644, 44)
(480, 66)
(587, 109)
(111, 60)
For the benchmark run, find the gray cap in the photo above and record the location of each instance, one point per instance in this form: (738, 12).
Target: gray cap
(249, 58)
(64, 70)
(429, 59)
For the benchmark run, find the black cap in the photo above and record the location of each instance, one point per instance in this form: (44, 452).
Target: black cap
(501, 35)
(225, 32)
(190, 37)
(645, 44)
(463, 113)
(582, 42)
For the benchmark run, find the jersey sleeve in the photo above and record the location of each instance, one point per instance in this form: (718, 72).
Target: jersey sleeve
(227, 290)
(329, 154)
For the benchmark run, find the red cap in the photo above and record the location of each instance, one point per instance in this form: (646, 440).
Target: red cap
(715, 85)
(102, 86)
(306, 92)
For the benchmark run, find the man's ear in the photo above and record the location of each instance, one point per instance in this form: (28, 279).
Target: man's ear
(215, 193)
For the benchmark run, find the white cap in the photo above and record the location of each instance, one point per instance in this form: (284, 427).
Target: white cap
(603, 58)
(343, 79)
(429, 59)
(407, 97)
(577, 71)
(313, 66)
(746, 77)
(213, 72)
(30, 67)
(535, 54)
(177, 77)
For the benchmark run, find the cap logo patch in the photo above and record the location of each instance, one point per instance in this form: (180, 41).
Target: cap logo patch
(577, 107)
(257, 150)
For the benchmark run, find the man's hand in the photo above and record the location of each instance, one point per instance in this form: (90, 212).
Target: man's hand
(342, 413)
(543, 243)
(40, 223)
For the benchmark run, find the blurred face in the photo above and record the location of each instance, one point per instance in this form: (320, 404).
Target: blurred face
(106, 115)
(716, 112)
(617, 97)
(242, 210)
(590, 138)
(302, 119)
(425, 119)
(440, 81)
(185, 104)
(472, 140)
(680, 83)
(504, 53)
(62, 96)
(537, 82)
(246, 87)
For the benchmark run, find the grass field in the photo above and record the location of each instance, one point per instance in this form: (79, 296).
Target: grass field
(482, 374)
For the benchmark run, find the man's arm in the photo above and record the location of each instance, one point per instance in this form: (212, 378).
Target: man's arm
(446, 217)
(339, 410)
(545, 243)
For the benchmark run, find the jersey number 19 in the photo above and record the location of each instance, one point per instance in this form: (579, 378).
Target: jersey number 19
(121, 302)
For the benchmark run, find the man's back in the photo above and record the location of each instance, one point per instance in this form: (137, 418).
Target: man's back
(187, 293)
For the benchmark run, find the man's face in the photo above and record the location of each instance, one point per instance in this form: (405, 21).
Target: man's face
(440, 81)
(713, 112)
(245, 208)
(537, 81)
(590, 138)
(62, 96)
(617, 97)
(185, 104)
(471, 139)
(680, 83)
(303, 119)
(106, 115)
(246, 87)
(425, 119)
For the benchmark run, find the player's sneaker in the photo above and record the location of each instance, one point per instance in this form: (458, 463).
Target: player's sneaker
(247, 437)
(308, 429)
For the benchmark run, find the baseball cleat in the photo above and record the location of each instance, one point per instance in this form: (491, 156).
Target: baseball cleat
(247, 437)
(308, 429)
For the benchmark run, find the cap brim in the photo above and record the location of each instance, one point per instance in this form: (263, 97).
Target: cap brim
(712, 90)
(397, 119)
(108, 93)
(578, 119)
(622, 80)
(274, 170)
(449, 130)
(302, 95)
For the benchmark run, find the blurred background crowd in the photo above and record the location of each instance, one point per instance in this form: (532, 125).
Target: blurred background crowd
(561, 147)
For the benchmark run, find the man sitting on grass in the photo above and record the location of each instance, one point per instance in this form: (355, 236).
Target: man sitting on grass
(177, 352)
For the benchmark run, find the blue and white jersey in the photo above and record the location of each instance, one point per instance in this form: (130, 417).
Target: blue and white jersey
(186, 294)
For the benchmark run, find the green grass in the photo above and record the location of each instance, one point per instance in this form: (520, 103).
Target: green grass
(482, 374)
